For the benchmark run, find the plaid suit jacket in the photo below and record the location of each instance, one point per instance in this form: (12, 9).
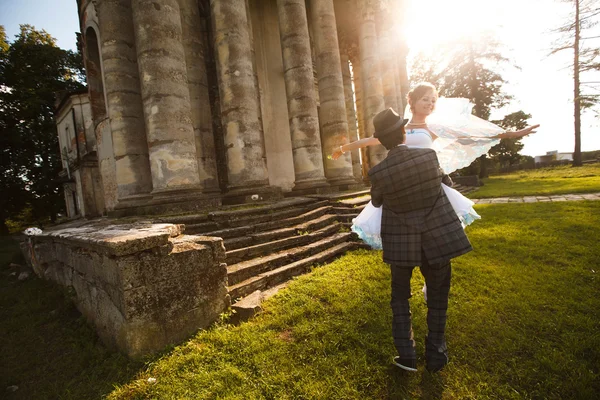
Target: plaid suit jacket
(417, 217)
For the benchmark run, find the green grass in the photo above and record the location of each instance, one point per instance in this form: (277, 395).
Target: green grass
(523, 324)
(46, 348)
(543, 181)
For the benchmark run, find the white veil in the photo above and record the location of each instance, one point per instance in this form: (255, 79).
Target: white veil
(462, 137)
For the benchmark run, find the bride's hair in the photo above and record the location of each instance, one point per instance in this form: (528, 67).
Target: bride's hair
(419, 91)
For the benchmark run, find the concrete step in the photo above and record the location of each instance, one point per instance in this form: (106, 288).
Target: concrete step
(234, 217)
(346, 218)
(196, 228)
(276, 276)
(347, 225)
(248, 270)
(260, 237)
(355, 201)
(247, 230)
(348, 210)
(270, 246)
(341, 195)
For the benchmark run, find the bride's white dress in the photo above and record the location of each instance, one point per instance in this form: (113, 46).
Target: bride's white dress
(461, 138)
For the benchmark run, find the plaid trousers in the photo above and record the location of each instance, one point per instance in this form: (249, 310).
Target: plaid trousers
(437, 278)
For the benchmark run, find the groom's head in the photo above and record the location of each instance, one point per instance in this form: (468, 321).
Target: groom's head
(389, 128)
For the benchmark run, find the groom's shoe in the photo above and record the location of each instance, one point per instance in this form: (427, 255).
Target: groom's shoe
(407, 364)
(436, 365)
(436, 356)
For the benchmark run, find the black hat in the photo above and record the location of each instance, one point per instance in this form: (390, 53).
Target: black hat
(387, 122)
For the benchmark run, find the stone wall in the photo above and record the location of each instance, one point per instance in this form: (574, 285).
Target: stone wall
(143, 286)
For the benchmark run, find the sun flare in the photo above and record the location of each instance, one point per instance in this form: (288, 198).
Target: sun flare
(432, 23)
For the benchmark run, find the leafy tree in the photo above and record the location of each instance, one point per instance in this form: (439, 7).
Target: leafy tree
(468, 69)
(507, 151)
(33, 70)
(585, 59)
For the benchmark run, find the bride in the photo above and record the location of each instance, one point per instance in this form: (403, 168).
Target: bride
(453, 132)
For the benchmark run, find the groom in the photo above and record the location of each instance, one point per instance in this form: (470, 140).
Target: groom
(418, 227)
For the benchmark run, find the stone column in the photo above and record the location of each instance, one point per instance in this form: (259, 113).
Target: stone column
(240, 110)
(403, 72)
(372, 88)
(122, 87)
(401, 51)
(301, 102)
(360, 114)
(334, 125)
(350, 114)
(387, 61)
(194, 44)
(165, 95)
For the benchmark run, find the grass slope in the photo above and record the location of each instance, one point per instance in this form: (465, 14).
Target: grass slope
(523, 324)
(544, 181)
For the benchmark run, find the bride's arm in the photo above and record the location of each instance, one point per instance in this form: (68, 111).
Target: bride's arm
(471, 133)
(359, 144)
(518, 134)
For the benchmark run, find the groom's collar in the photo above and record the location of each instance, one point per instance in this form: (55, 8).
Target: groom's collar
(400, 146)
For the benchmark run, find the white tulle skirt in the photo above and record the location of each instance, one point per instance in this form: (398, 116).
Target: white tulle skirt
(367, 225)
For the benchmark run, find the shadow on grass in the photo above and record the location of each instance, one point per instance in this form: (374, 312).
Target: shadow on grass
(48, 351)
(431, 386)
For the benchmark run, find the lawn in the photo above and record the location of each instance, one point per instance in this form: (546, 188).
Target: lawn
(523, 324)
(47, 350)
(543, 181)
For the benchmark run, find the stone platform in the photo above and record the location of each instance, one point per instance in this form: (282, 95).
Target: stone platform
(143, 285)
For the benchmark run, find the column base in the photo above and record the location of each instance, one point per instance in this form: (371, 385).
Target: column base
(343, 180)
(310, 184)
(167, 202)
(249, 195)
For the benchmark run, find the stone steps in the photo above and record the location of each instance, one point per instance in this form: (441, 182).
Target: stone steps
(267, 222)
(348, 210)
(333, 197)
(299, 238)
(266, 272)
(266, 245)
(239, 217)
(355, 201)
(245, 269)
(265, 255)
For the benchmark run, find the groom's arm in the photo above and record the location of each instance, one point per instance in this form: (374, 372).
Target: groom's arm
(376, 194)
(446, 180)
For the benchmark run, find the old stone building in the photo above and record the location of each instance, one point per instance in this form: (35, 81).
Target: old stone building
(194, 104)
(82, 183)
(198, 103)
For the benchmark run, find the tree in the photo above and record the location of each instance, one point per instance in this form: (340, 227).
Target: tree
(507, 151)
(468, 69)
(33, 70)
(585, 60)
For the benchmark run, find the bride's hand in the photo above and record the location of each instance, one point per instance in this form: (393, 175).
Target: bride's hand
(523, 132)
(336, 153)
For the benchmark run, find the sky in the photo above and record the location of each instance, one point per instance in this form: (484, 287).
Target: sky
(542, 87)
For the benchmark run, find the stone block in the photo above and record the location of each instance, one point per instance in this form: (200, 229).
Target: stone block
(142, 286)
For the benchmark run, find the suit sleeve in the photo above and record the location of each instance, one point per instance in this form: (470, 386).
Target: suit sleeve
(376, 195)
(446, 180)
